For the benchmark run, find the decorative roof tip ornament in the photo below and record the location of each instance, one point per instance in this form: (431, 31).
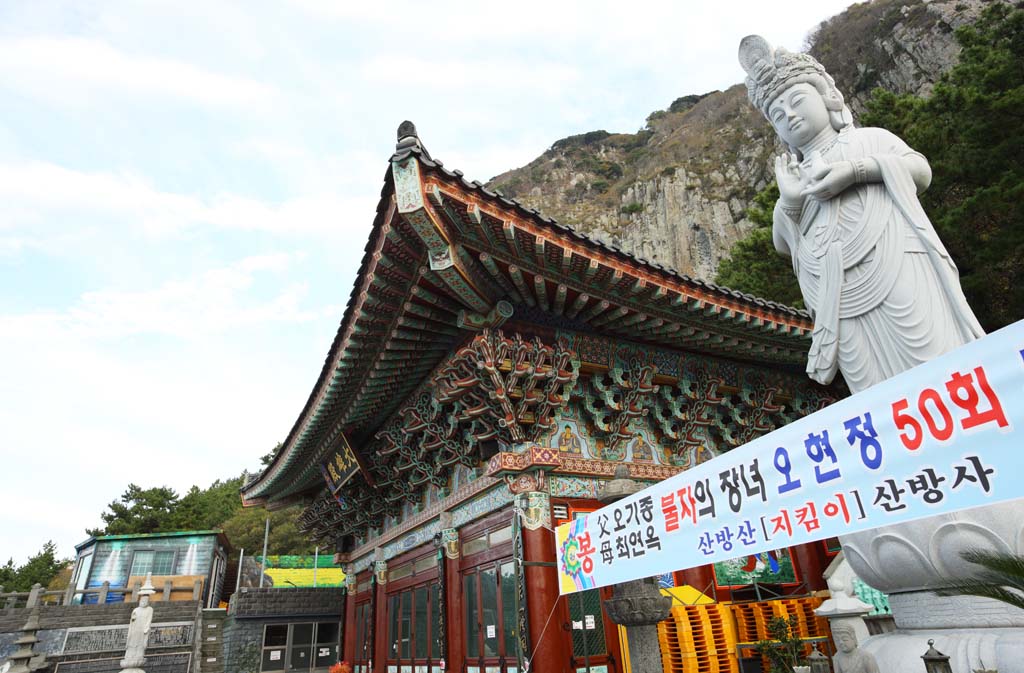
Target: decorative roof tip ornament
(408, 138)
(884, 294)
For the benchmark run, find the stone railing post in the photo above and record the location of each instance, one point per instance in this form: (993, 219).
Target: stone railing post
(21, 660)
(69, 594)
(197, 590)
(135, 592)
(104, 590)
(168, 587)
(33, 595)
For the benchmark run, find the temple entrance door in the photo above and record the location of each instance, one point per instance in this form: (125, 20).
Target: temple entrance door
(592, 635)
(364, 637)
(413, 614)
(595, 638)
(489, 595)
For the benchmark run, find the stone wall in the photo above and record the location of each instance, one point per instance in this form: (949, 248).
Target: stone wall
(252, 609)
(274, 602)
(76, 616)
(83, 635)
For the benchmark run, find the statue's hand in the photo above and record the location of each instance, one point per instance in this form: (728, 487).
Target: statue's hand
(831, 183)
(787, 174)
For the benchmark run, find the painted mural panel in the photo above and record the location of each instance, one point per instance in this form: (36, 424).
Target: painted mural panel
(771, 567)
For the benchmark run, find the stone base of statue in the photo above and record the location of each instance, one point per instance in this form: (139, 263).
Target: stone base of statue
(968, 649)
(909, 560)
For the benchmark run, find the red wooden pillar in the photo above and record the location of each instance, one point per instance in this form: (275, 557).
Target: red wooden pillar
(454, 612)
(550, 651)
(700, 578)
(380, 627)
(348, 648)
(812, 562)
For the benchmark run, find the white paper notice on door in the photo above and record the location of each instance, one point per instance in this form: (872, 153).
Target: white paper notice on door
(590, 621)
(490, 630)
(275, 655)
(577, 625)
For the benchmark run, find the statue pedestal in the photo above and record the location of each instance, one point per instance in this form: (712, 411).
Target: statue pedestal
(968, 649)
(908, 561)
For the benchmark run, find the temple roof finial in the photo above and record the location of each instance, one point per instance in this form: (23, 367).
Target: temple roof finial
(407, 139)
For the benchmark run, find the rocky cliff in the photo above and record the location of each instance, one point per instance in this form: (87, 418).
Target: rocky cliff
(677, 191)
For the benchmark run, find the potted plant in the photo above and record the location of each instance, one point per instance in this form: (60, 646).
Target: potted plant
(783, 649)
(341, 667)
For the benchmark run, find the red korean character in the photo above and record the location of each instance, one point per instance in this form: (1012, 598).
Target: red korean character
(963, 390)
(668, 508)
(837, 507)
(689, 503)
(807, 516)
(584, 552)
(782, 523)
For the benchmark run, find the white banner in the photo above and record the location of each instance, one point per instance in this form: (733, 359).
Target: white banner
(938, 438)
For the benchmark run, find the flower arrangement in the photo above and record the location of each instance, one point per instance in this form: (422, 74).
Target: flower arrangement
(341, 667)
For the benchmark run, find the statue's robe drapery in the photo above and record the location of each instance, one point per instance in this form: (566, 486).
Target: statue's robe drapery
(884, 293)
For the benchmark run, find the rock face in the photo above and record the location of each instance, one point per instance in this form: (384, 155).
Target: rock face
(677, 191)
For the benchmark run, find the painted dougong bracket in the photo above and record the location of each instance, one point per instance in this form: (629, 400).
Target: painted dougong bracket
(446, 264)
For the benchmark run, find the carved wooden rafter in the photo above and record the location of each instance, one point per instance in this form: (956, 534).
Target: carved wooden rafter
(619, 397)
(509, 385)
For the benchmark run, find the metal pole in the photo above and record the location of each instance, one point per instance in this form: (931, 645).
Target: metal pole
(238, 578)
(316, 562)
(263, 561)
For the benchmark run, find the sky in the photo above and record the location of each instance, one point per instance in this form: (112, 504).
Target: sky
(186, 189)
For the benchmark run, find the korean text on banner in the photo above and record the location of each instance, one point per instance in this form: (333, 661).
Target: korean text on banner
(938, 438)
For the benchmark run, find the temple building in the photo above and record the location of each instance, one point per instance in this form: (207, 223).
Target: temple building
(493, 368)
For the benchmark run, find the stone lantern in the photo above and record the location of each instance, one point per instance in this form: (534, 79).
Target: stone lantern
(935, 661)
(638, 605)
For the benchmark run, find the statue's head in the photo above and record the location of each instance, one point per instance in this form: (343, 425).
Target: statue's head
(776, 76)
(845, 638)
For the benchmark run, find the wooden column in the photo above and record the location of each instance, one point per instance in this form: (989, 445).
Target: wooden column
(550, 649)
(699, 578)
(454, 611)
(811, 560)
(380, 614)
(348, 647)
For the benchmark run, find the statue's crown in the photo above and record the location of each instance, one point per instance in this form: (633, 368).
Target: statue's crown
(771, 71)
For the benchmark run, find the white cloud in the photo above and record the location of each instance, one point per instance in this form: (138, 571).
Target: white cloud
(33, 190)
(63, 67)
(211, 302)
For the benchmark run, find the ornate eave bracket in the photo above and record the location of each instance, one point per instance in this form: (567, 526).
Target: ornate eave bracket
(444, 256)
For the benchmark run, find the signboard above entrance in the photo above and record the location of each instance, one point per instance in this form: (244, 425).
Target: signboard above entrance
(938, 438)
(340, 465)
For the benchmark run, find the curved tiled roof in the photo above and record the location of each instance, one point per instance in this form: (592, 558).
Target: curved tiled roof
(350, 375)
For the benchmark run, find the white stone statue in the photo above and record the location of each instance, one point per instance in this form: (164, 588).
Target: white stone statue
(885, 296)
(849, 658)
(884, 293)
(138, 630)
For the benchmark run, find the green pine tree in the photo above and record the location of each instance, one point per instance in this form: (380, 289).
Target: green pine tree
(972, 130)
